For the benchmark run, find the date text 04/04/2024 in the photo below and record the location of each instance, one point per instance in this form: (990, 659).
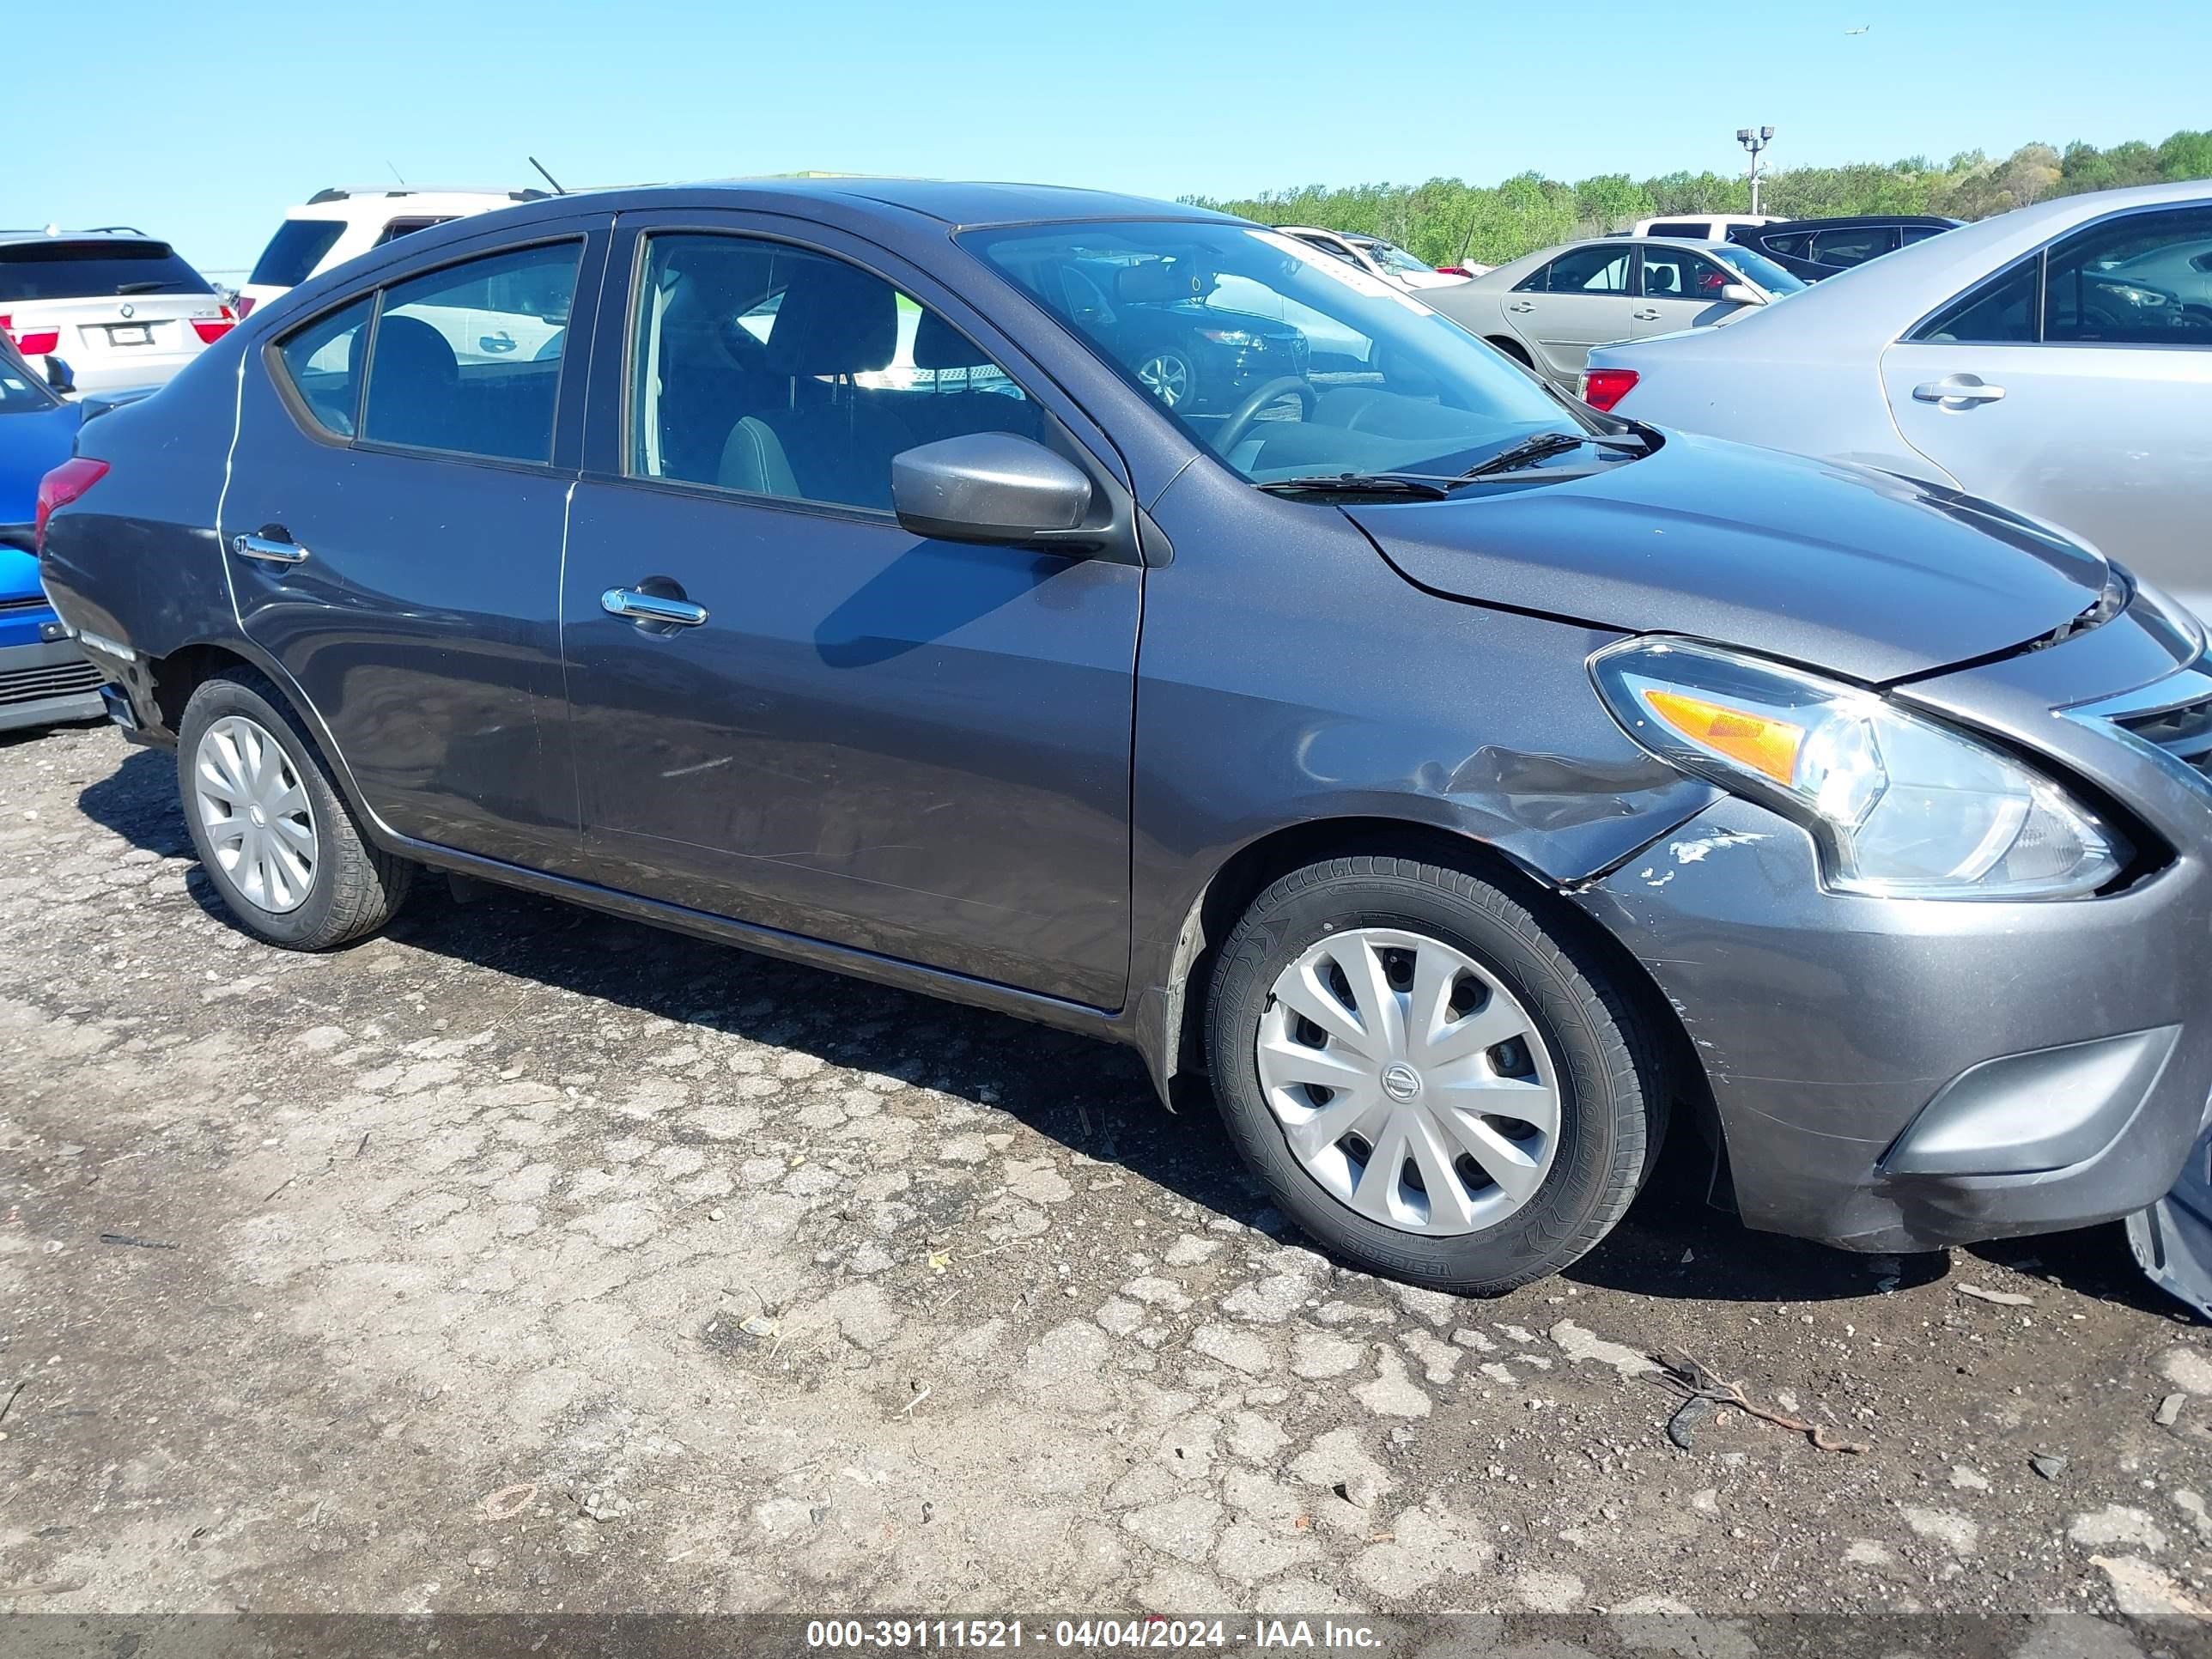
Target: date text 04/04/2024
(1088, 1633)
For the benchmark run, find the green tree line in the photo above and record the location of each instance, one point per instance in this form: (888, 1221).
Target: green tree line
(1447, 221)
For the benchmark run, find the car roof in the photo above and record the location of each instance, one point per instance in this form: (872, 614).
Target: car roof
(959, 203)
(1851, 221)
(102, 234)
(364, 192)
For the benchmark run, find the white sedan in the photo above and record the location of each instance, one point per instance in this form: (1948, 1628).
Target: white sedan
(2057, 360)
(1379, 258)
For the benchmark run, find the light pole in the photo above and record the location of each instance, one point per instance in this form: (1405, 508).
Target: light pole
(1754, 139)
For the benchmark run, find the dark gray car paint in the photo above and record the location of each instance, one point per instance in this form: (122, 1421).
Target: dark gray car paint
(1754, 549)
(1286, 676)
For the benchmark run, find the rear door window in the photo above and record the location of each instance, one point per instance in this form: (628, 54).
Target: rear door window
(1597, 270)
(294, 251)
(56, 268)
(1842, 249)
(399, 228)
(2139, 280)
(467, 359)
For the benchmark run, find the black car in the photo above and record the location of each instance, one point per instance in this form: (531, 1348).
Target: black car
(1193, 357)
(1813, 248)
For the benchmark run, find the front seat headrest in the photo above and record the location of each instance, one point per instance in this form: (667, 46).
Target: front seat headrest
(1156, 282)
(835, 319)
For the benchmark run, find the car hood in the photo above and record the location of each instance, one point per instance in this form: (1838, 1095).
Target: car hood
(1838, 567)
(32, 442)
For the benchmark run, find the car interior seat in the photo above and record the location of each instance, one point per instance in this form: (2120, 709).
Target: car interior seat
(413, 378)
(835, 321)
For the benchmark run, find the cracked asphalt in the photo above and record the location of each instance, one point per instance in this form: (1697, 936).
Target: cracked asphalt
(523, 1258)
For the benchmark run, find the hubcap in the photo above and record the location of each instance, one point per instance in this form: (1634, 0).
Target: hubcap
(258, 817)
(1409, 1082)
(1167, 377)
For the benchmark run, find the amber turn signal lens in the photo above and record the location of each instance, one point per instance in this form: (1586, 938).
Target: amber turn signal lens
(1759, 741)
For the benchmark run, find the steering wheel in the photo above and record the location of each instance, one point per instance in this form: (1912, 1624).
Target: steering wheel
(1231, 431)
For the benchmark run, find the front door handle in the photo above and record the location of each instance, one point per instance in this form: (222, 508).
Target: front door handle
(651, 607)
(1958, 391)
(268, 549)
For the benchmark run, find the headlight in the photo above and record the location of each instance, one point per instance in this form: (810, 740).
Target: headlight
(1901, 806)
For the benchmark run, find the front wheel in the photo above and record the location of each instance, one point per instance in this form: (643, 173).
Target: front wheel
(275, 836)
(1171, 375)
(1430, 1080)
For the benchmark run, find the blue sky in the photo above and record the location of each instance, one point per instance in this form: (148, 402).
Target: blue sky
(204, 123)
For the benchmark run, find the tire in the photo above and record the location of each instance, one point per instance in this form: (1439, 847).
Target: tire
(1511, 348)
(1171, 374)
(311, 893)
(1587, 1044)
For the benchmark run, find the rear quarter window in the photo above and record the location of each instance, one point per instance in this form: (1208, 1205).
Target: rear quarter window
(59, 268)
(322, 360)
(294, 251)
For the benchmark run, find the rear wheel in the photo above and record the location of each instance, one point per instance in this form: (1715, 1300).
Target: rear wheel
(1430, 1080)
(276, 837)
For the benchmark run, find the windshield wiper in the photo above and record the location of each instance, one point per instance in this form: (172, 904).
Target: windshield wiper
(153, 287)
(1538, 447)
(1364, 483)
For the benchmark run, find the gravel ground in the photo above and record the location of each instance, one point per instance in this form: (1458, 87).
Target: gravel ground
(527, 1259)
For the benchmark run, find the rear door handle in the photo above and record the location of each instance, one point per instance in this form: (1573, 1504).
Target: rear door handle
(651, 607)
(268, 549)
(1520, 305)
(1644, 316)
(1958, 391)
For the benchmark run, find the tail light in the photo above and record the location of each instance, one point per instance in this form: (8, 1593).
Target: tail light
(31, 341)
(1604, 388)
(59, 488)
(1454, 270)
(211, 329)
(245, 306)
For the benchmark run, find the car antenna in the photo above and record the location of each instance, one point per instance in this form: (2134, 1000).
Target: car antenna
(395, 173)
(547, 177)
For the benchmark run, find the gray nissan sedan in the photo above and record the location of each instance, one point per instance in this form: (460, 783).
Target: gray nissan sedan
(1457, 779)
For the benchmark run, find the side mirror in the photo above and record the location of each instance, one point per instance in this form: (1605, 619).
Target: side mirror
(994, 487)
(60, 376)
(1740, 294)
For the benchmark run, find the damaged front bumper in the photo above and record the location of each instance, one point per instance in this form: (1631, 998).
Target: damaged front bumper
(1905, 1075)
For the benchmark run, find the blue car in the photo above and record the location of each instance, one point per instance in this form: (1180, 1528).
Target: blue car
(44, 677)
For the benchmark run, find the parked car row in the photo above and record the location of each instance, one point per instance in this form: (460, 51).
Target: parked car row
(1463, 780)
(2056, 359)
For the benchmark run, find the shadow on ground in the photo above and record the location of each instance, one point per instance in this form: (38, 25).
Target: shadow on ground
(1092, 1096)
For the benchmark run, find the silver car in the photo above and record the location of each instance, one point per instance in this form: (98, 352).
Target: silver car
(2056, 359)
(1548, 308)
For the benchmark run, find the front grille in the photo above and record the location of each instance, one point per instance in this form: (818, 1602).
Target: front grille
(2184, 732)
(59, 679)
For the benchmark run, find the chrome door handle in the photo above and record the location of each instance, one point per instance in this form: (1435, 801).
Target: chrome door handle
(1958, 391)
(651, 607)
(501, 341)
(268, 551)
(1644, 316)
(1521, 306)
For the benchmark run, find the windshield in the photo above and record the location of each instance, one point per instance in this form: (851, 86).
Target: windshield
(1759, 269)
(54, 270)
(1391, 256)
(1285, 362)
(20, 388)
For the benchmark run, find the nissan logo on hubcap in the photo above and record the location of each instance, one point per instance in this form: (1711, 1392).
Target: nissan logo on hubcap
(1401, 1081)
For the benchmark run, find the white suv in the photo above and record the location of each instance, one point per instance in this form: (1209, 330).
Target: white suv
(119, 307)
(332, 226)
